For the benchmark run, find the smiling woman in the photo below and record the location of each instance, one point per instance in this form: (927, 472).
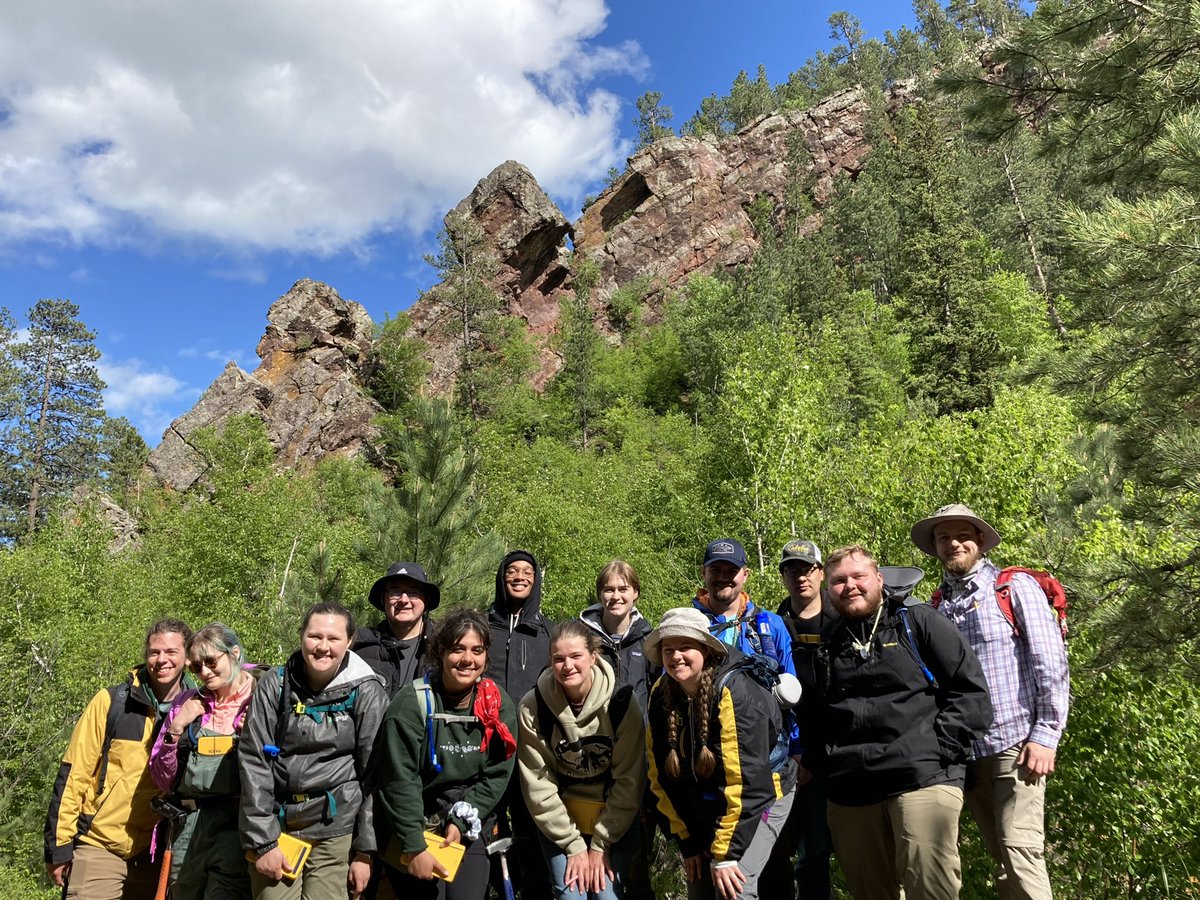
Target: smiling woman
(309, 735)
(583, 766)
(447, 753)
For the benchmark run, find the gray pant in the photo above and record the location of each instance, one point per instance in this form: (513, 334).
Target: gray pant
(1010, 814)
(754, 860)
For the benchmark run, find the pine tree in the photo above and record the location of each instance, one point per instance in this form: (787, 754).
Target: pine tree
(468, 304)
(52, 443)
(429, 513)
(123, 455)
(652, 118)
(578, 345)
(1113, 89)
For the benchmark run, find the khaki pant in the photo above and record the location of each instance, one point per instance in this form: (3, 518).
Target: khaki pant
(1010, 814)
(322, 878)
(99, 875)
(909, 841)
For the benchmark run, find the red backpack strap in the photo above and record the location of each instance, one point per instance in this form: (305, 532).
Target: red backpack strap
(1050, 586)
(1004, 594)
(935, 599)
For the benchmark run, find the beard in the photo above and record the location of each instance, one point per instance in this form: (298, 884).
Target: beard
(860, 606)
(962, 564)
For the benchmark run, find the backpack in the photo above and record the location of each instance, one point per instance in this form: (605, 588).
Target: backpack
(765, 671)
(1053, 589)
(118, 697)
(314, 712)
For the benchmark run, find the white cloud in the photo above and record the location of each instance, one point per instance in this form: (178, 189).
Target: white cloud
(297, 124)
(144, 397)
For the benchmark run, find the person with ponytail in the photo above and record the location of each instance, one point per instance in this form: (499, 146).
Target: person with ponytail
(712, 729)
(583, 766)
(194, 762)
(447, 748)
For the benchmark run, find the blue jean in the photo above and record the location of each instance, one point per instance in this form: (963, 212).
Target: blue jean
(619, 855)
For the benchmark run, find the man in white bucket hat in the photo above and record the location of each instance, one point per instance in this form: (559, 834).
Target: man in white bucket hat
(1025, 662)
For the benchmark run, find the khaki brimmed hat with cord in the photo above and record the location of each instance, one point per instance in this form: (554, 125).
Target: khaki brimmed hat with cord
(922, 532)
(683, 622)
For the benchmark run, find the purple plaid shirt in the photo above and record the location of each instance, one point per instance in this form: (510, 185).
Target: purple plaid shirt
(1027, 674)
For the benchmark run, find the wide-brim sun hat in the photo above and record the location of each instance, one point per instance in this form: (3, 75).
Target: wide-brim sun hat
(413, 572)
(922, 532)
(683, 622)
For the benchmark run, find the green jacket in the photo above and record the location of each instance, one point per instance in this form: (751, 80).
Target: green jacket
(408, 788)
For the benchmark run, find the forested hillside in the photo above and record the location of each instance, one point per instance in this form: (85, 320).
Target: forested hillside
(1000, 309)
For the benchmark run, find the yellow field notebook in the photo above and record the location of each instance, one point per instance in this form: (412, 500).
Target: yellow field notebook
(295, 851)
(449, 856)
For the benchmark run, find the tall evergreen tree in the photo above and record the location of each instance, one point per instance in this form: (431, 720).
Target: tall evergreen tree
(52, 443)
(578, 345)
(1114, 87)
(652, 118)
(429, 513)
(467, 301)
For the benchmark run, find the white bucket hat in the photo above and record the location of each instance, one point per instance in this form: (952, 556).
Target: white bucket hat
(683, 622)
(922, 532)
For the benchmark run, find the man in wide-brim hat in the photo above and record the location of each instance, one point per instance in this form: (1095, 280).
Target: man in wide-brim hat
(405, 595)
(1025, 662)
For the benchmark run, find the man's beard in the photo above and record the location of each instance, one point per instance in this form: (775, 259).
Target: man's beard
(962, 565)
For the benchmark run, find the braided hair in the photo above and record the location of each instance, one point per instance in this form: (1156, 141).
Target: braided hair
(673, 702)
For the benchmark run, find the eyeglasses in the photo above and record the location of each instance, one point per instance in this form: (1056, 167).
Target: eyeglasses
(209, 662)
(797, 571)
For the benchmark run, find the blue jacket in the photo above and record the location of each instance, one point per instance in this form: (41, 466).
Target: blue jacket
(755, 630)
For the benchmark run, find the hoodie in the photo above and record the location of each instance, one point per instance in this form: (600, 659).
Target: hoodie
(584, 759)
(519, 650)
(625, 655)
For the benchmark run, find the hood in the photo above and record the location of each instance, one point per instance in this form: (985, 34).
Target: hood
(593, 617)
(530, 606)
(604, 682)
(354, 671)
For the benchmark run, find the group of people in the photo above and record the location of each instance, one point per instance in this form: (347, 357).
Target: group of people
(423, 757)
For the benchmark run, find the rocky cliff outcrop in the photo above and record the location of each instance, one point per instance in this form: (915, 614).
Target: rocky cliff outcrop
(682, 206)
(307, 390)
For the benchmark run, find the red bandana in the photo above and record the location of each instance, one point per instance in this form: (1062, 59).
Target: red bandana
(487, 710)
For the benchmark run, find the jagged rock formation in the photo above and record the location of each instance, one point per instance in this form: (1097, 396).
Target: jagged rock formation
(123, 526)
(682, 206)
(307, 390)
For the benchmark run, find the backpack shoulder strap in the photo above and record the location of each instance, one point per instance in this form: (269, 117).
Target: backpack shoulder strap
(545, 716)
(282, 708)
(618, 705)
(118, 696)
(906, 621)
(1004, 595)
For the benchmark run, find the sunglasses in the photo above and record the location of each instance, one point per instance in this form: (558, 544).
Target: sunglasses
(196, 665)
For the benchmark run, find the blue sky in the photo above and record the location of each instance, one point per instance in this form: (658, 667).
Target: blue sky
(173, 168)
